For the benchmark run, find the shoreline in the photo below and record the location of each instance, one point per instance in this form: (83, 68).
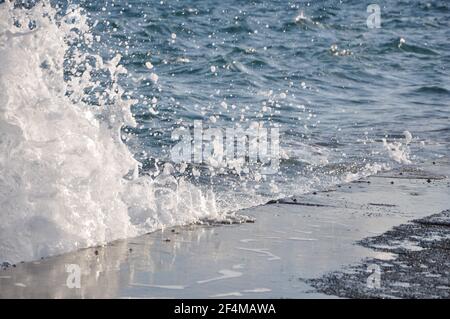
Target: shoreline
(291, 243)
(420, 269)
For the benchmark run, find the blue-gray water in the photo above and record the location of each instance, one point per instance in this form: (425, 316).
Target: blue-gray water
(338, 104)
(348, 100)
(335, 87)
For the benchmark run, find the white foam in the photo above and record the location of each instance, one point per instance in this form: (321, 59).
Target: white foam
(225, 274)
(170, 287)
(66, 179)
(258, 290)
(227, 294)
(261, 251)
(399, 151)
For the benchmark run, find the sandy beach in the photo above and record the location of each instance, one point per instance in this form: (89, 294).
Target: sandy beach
(224, 150)
(295, 248)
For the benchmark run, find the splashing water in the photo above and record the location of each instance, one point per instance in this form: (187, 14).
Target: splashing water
(89, 99)
(398, 151)
(67, 181)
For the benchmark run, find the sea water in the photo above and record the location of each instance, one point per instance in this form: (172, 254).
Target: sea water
(91, 93)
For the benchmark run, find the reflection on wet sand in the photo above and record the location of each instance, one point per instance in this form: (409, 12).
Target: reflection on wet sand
(104, 271)
(270, 258)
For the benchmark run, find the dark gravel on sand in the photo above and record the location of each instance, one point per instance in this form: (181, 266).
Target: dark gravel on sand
(420, 269)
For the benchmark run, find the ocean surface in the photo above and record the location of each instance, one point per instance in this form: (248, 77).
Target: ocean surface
(91, 93)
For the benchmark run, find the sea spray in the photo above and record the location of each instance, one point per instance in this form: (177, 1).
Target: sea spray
(69, 79)
(67, 180)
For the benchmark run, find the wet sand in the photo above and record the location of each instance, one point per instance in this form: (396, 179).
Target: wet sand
(292, 250)
(420, 269)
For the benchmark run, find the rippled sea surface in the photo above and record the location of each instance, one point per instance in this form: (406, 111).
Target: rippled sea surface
(333, 86)
(348, 101)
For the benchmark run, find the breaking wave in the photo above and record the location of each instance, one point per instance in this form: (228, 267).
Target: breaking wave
(67, 180)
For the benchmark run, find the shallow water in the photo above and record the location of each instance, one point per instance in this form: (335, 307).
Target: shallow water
(270, 258)
(334, 87)
(348, 101)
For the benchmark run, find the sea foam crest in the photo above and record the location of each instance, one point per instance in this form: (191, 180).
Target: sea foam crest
(66, 179)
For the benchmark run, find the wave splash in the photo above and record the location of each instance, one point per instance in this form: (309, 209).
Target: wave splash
(67, 180)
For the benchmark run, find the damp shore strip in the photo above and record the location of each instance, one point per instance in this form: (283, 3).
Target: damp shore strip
(421, 268)
(316, 245)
